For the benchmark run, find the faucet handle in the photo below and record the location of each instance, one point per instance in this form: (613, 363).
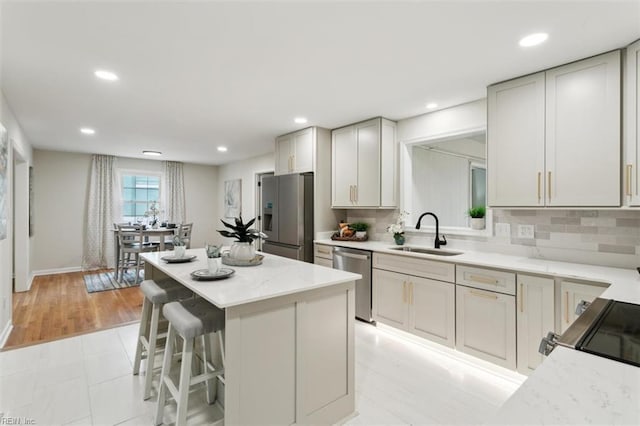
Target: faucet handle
(443, 241)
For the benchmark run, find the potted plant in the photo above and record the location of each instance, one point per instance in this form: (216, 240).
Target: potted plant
(397, 229)
(179, 247)
(242, 248)
(360, 229)
(153, 213)
(477, 215)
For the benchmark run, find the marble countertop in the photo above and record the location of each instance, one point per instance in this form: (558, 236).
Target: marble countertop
(570, 387)
(623, 284)
(276, 276)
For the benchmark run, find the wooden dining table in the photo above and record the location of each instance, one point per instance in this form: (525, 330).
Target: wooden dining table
(149, 232)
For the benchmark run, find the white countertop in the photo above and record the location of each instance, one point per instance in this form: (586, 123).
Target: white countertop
(276, 276)
(624, 284)
(570, 387)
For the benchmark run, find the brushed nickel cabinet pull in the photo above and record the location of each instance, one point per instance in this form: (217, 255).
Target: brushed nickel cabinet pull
(355, 192)
(629, 169)
(484, 280)
(549, 184)
(539, 179)
(521, 297)
(404, 292)
(485, 295)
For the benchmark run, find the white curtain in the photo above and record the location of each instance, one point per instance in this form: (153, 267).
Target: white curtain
(175, 211)
(98, 244)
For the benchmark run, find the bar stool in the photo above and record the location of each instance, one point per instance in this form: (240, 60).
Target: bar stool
(156, 294)
(189, 319)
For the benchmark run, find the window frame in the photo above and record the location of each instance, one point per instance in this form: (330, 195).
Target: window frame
(137, 172)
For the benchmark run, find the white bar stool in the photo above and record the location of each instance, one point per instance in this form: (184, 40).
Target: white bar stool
(156, 294)
(189, 319)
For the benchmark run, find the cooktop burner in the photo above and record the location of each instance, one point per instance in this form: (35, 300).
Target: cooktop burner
(615, 333)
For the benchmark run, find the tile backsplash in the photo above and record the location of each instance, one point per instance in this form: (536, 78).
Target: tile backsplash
(605, 237)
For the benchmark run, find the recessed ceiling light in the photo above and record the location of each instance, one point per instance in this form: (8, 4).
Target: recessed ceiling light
(152, 153)
(87, 131)
(106, 75)
(222, 148)
(432, 105)
(533, 39)
(300, 120)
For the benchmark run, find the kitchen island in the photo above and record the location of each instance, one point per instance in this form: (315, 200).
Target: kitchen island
(289, 337)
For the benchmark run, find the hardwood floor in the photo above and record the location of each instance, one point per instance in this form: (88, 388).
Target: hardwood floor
(59, 306)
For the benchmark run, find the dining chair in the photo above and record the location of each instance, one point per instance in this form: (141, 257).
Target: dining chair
(132, 243)
(184, 231)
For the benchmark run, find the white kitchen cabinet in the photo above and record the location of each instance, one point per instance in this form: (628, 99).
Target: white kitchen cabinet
(515, 148)
(364, 158)
(571, 294)
(390, 298)
(535, 317)
(323, 255)
(554, 137)
(631, 95)
(295, 152)
(421, 306)
(486, 325)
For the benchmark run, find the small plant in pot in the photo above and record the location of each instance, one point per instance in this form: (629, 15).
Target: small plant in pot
(242, 248)
(360, 229)
(179, 247)
(477, 215)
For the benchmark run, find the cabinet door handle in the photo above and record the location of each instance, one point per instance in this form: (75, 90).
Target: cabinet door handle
(404, 292)
(566, 307)
(521, 297)
(324, 251)
(629, 169)
(355, 193)
(485, 295)
(484, 280)
(539, 179)
(549, 184)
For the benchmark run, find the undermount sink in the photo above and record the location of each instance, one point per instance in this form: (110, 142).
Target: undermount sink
(437, 252)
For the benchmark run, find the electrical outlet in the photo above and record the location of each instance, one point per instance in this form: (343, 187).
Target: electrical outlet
(503, 230)
(526, 231)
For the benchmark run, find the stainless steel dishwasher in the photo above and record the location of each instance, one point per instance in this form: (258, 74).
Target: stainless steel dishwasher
(359, 262)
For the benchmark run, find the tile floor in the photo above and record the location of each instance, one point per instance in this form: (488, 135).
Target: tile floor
(87, 380)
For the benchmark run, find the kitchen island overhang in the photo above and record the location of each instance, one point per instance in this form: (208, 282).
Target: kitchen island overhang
(289, 338)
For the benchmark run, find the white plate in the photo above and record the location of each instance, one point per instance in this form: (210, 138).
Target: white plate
(204, 275)
(174, 259)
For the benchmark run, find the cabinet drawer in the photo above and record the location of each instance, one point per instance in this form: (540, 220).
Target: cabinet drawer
(322, 250)
(413, 266)
(323, 262)
(486, 279)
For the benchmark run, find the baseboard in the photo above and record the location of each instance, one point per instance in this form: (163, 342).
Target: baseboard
(56, 271)
(4, 336)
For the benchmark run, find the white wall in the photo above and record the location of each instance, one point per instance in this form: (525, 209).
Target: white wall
(61, 187)
(245, 170)
(20, 144)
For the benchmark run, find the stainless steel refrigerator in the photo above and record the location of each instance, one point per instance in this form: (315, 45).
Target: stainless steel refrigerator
(287, 215)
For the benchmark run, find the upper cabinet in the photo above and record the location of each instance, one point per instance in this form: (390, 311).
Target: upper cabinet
(295, 152)
(631, 181)
(554, 137)
(364, 158)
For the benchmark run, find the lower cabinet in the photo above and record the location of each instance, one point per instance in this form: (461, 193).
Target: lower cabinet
(323, 255)
(535, 318)
(420, 306)
(486, 325)
(571, 294)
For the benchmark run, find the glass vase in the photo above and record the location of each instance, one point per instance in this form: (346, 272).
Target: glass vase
(242, 251)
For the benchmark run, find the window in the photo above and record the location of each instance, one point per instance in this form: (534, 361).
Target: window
(138, 191)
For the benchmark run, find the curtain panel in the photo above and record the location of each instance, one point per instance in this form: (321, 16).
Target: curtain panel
(175, 208)
(99, 238)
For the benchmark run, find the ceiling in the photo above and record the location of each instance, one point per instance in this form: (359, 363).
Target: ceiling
(196, 75)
